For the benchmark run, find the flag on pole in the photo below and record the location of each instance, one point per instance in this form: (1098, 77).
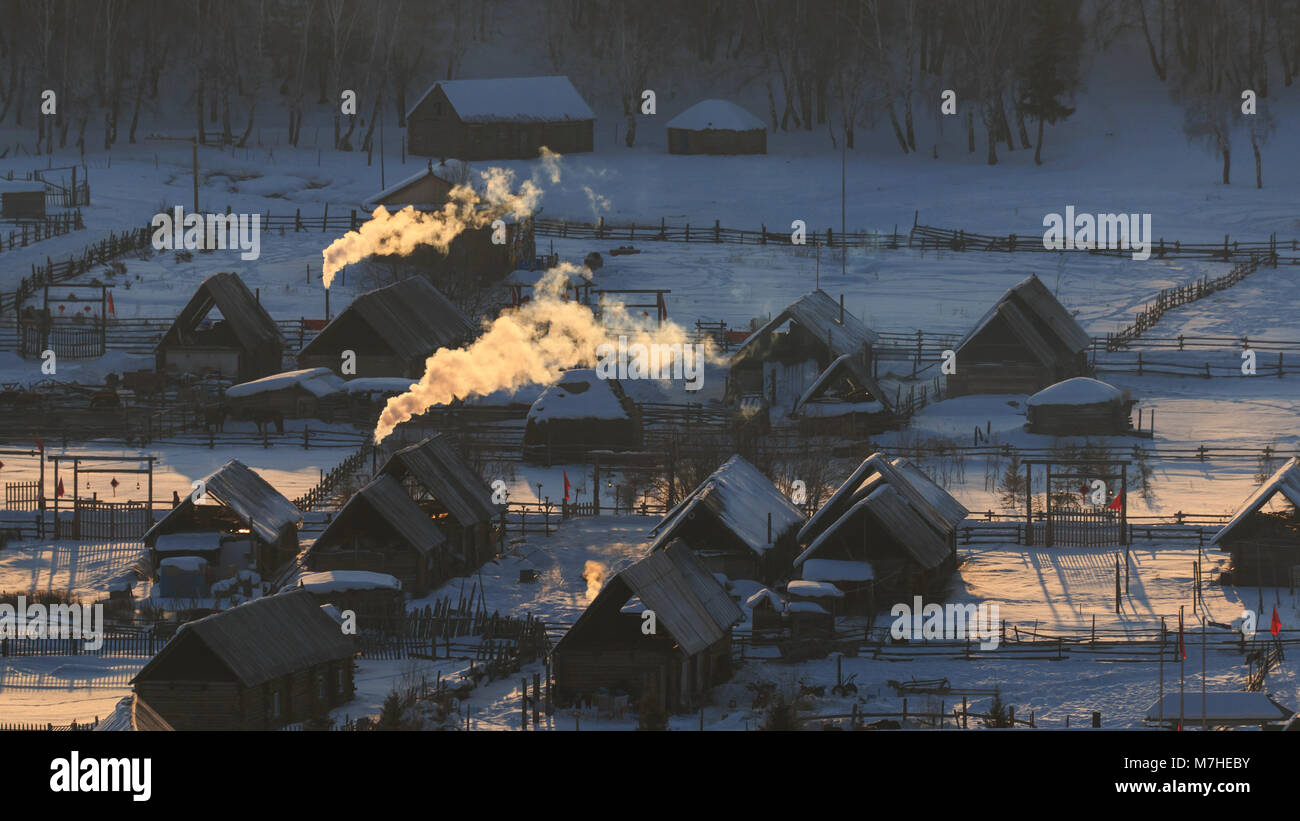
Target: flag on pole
(40, 445)
(566, 486)
(59, 492)
(1275, 626)
(1182, 648)
(1116, 502)
(111, 309)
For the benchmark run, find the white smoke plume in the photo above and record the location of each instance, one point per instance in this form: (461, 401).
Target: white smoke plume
(523, 346)
(402, 232)
(594, 574)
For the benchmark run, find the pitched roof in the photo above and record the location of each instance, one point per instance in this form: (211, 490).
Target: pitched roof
(850, 366)
(716, 115)
(386, 497)
(893, 512)
(436, 465)
(685, 597)
(263, 639)
(1038, 319)
(441, 173)
(250, 496)
(513, 99)
(820, 315)
(412, 317)
(319, 382)
(1286, 480)
(248, 320)
(740, 497)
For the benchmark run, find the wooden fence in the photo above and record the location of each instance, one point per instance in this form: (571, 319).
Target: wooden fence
(97, 253)
(324, 490)
(33, 727)
(29, 231)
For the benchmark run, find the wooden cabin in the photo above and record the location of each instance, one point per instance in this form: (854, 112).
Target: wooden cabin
(890, 515)
(783, 365)
(580, 413)
(500, 119)
(737, 522)
(845, 400)
(1027, 341)
(1080, 407)
(716, 127)
(240, 516)
(382, 530)
(22, 199)
(375, 598)
(454, 495)
(767, 609)
(391, 330)
(426, 190)
(273, 661)
(311, 393)
(242, 344)
(689, 652)
(1263, 536)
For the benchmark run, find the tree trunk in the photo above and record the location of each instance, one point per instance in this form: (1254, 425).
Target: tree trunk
(1038, 148)
(248, 130)
(198, 112)
(135, 111)
(1259, 169)
(1020, 124)
(898, 131)
(970, 131)
(1227, 165)
(990, 126)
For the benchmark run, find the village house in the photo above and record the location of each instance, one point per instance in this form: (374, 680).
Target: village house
(391, 331)
(893, 517)
(1080, 406)
(737, 523)
(689, 651)
(499, 119)
(454, 495)
(243, 344)
(311, 393)
(1027, 341)
(579, 413)
(269, 662)
(812, 361)
(716, 127)
(241, 522)
(1263, 535)
(426, 190)
(382, 530)
(375, 598)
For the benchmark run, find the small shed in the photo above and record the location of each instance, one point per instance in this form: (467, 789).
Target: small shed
(499, 119)
(767, 609)
(845, 394)
(855, 579)
(259, 666)
(1080, 406)
(1263, 537)
(237, 504)
(453, 495)
(580, 413)
(22, 199)
(1027, 341)
(303, 394)
(689, 652)
(242, 343)
(825, 594)
(716, 127)
(382, 530)
(375, 598)
(737, 522)
(892, 516)
(391, 331)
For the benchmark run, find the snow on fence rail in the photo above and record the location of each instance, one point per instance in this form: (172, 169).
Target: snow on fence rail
(37, 727)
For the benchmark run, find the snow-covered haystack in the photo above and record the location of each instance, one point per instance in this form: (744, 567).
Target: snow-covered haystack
(580, 412)
(716, 127)
(1078, 407)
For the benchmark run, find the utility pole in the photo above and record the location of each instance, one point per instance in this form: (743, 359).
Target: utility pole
(844, 246)
(194, 157)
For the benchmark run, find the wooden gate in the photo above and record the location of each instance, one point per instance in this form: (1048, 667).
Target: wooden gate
(1080, 528)
(95, 519)
(22, 495)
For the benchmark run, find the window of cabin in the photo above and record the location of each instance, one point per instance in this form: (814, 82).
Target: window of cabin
(339, 681)
(437, 109)
(320, 687)
(275, 704)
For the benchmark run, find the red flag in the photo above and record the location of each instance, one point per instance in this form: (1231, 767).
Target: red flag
(1182, 648)
(1084, 490)
(1116, 502)
(566, 486)
(111, 309)
(1275, 626)
(59, 492)
(40, 445)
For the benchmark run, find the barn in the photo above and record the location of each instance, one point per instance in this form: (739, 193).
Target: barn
(716, 127)
(689, 651)
(382, 530)
(273, 661)
(1263, 535)
(1027, 341)
(802, 359)
(846, 399)
(241, 520)
(1080, 406)
(499, 119)
(454, 495)
(426, 190)
(242, 343)
(310, 393)
(391, 330)
(22, 199)
(579, 413)
(890, 515)
(737, 522)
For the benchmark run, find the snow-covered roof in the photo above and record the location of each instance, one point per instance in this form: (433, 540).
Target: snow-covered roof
(330, 581)
(188, 542)
(187, 564)
(1285, 481)
(813, 590)
(1080, 390)
(1220, 708)
(241, 489)
(837, 570)
(435, 464)
(379, 384)
(771, 597)
(385, 497)
(579, 394)
(1030, 311)
(820, 315)
(716, 115)
(513, 99)
(813, 403)
(740, 497)
(440, 172)
(806, 607)
(316, 381)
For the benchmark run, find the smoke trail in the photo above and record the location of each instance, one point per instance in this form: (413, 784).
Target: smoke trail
(594, 574)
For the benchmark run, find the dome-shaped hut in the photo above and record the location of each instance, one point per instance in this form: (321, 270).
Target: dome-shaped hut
(1080, 407)
(716, 127)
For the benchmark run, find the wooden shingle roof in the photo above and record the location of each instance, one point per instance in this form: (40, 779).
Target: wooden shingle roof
(248, 320)
(247, 494)
(389, 500)
(1285, 480)
(436, 465)
(412, 317)
(820, 316)
(1038, 319)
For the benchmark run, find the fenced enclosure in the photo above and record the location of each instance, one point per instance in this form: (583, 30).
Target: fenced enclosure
(100, 520)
